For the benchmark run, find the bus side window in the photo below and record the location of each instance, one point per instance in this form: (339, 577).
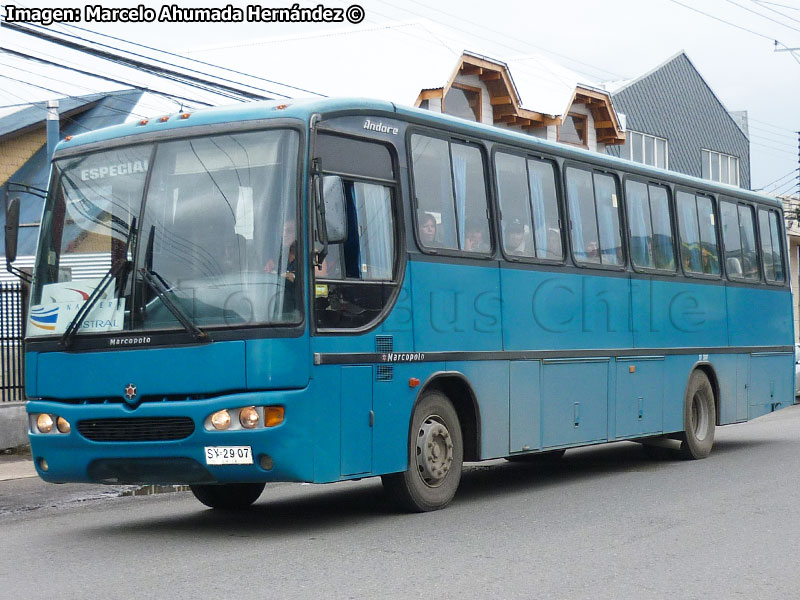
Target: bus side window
(771, 246)
(650, 224)
(529, 207)
(738, 236)
(450, 195)
(516, 223)
(582, 216)
(594, 217)
(698, 231)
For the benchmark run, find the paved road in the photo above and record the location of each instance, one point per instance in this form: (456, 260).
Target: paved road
(605, 523)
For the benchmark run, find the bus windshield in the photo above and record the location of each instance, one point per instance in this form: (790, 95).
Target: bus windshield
(199, 231)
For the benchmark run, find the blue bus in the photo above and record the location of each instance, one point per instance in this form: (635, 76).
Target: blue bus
(317, 291)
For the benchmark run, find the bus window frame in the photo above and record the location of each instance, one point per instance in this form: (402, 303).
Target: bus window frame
(450, 138)
(622, 222)
(401, 250)
(717, 230)
(560, 203)
(741, 280)
(782, 234)
(673, 224)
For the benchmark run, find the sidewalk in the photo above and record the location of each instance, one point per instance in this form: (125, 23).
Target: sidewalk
(17, 466)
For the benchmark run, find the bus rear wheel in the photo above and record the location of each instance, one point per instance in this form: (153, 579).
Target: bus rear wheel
(699, 418)
(436, 454)
(228, 496)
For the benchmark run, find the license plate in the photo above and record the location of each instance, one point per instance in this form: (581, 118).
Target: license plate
(229, 455)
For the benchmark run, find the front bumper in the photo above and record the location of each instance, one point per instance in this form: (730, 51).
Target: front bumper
(72, 457)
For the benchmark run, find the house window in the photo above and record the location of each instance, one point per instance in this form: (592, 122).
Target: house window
(463, 101)
(717, 166)
(646, 149)
(574, 130)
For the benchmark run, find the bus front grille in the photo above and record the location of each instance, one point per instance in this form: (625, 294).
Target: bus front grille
(137, 429)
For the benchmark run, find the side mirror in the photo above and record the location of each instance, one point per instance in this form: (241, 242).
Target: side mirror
(335, 211)
(12, 229)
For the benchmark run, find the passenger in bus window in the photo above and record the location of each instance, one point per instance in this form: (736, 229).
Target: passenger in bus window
(515, 239)
(475, 241)
(427, 229)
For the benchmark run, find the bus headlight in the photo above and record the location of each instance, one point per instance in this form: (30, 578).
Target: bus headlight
(44, 423)
(248, 417)
(221, 419)
(63, 425)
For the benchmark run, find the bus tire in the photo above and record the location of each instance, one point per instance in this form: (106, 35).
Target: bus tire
(550, 457)
(436, 455)
(699, 418)
(228, 496)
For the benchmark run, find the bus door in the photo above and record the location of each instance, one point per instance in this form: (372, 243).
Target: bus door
(354, 285)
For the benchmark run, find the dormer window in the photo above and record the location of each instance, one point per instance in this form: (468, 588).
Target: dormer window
(573, 130)
(463, 101)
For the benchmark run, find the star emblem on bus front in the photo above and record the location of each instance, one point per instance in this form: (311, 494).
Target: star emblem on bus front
(130, 391)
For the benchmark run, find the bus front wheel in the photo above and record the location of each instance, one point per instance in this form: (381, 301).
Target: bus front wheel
(699, 417)
(228, 496)
(436, 454)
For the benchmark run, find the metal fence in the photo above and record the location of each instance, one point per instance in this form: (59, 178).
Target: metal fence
(12, 356)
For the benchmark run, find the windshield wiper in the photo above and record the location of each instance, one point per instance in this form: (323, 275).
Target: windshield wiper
(113, 272)
(161, 289)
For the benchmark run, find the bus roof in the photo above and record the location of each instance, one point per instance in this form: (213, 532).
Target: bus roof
(302, 109)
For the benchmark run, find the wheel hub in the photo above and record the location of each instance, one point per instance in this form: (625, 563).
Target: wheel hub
(434, 451)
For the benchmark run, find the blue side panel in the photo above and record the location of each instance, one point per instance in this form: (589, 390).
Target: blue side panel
(574, 401)
(393, 402)
(31, 381)
(759, 317)
(726, 368)
(676, 376)
(326, 392)
(544, 310)
(525, 406)
(489, 381)
(770, 382)
(678, 314)
(743, 386)
(639, 397)
(278, 363)
(356, 442)
(208, 369)
(456, 307)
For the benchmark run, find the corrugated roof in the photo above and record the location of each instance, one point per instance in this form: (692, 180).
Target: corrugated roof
(35, 114)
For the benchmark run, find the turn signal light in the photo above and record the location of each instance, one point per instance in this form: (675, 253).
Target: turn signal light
(221, 419)
(248, 417)
(63, 425)
(273, 415)
(44, 423)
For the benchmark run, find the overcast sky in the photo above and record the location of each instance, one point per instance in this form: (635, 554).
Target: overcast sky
(615, 39)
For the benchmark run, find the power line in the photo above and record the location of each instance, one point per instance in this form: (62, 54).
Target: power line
(780, 179)
(761, 35)
(103, 77)
(776, 4)
(201, 62)
(784, 15)
(763, 16)
(483, 27)
(129, 62)
(83, 39)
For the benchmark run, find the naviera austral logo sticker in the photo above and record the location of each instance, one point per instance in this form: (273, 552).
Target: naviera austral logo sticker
(44, 318)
